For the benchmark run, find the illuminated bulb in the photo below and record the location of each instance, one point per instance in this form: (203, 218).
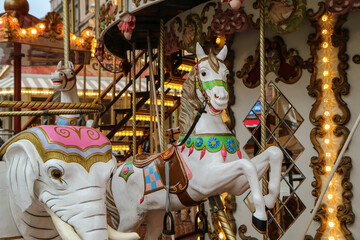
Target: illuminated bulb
(325, 45)
(331, 238)
(328, 168)
(330, 183)
(325, 59)
(73, 37)
(327, 141)
(330, 210)
(81, 41)
(329, 196)
(23, 31)
(1, 21)
(33, 31)
(218, 40)
(221, 235)
(327, 113)
(327, 126)
(324, 32)
(326, 86)
(42, 26)
(88, 33)
(14, 20)
(331, 224)
(326, 73)
(326, 100)
(324, 18)
(328, 154)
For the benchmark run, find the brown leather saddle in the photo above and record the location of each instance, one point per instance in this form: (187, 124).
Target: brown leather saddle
(178, 177)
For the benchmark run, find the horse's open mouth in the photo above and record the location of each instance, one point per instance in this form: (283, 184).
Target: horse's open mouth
(214, 110)
(57, 82)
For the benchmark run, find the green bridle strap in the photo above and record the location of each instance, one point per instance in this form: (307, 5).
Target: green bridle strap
(209, 85)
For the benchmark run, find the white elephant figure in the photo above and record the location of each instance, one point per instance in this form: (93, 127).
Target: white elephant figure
(56, 179)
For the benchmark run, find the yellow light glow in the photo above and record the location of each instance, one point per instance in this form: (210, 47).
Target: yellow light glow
(326, 73)
(81, 40)
(330, 196)
(324, 32)
(218, 40)
(120, 147)
(185, 67)
(42, 26)
(327, 126)
(73, 37)
(326, 100)
(128, 133)
(328, 168)
(1, 21)
(330, 183)
(325, 59)
(221, 235)
(325, 45)
(327, 113)
(324, 18)
(330, 210)
(23, 31)
(33, 31)
(88, 33)
(331, 238)
(327, 141)
(328, 154)
(331, 224)
(326, 86)
(14, 20)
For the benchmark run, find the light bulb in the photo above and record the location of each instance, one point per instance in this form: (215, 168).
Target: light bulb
(326, 86)
(329, 196)
(326, 73)
(218, 40)
(23, 31)
(42, 26)
(327, 113)
(328, 154)
(330, 210)
(331, 238)
(328, 168)
(327, 126)
(33, 31)
(325, 45)
(324, 31)
(325, 59)
(327, 141)
(331, 224)
(324, 18)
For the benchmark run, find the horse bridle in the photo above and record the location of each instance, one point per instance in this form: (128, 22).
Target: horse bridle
(73, 78)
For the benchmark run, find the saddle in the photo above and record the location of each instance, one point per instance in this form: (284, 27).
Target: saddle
(178, 176)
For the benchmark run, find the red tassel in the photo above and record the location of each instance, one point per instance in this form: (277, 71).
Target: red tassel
(141, 199)
(191, 150)
(223, 153)
(239, 153)
(182, 147)
(202, 154)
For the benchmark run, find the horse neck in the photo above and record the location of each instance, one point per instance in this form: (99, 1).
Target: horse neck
(70, 96)
(209, 123)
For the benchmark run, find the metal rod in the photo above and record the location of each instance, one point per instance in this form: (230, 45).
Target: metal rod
(113, 115)
(134, 100)
(162, 89)
(97, 16)
(47, 112)
(49, 105)
(152, 78)
(84, 87)
(336, 165)
(66, 33)
(72, 16)
(17, 83)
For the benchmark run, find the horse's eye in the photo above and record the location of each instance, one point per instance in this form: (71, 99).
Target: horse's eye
(227, 75)
(203, 74)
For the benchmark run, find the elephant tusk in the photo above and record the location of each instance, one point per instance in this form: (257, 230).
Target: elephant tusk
(115, 235)
(65, 231)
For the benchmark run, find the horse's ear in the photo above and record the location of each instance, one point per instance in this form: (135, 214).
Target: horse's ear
(59, 66)
(222, 54)
(199, 52)
(71, 65)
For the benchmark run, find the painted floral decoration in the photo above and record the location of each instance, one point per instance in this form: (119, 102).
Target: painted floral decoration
(213, 142)
(231, 145)
(188, 141)
(198, 142)
(126, 27)
(171, 43)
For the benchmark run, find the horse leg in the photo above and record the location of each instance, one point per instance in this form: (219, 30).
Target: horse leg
(230, 177)
(154, 225)
(272, 157)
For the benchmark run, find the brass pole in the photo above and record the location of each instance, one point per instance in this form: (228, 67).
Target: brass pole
(73, 16)
(113, 116)
(151, 70)
(263, 91)
(84, 87)
(134, 100)
(66, 33)
(218, 209)
(162, 89)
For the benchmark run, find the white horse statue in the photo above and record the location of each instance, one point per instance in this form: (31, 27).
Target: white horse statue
(64, 80)
(207, 164)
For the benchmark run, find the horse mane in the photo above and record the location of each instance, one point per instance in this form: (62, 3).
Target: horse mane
(213, 62)
(189, 103)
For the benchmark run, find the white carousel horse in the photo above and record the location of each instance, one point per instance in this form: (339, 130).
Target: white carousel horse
(64, 80)
(210, 160)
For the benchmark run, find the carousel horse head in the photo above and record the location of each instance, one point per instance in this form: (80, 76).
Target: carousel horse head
(207, 81)
(64, 79)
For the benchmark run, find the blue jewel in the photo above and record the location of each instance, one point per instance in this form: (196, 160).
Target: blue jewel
(198, 142)
(213, 143)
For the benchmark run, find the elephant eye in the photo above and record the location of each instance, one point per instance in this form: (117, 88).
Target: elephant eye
(56, 174)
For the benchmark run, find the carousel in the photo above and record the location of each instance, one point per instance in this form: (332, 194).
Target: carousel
(220, 119)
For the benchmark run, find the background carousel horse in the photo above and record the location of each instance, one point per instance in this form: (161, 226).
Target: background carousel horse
(209, 163)
(64, 80)
(56, 182)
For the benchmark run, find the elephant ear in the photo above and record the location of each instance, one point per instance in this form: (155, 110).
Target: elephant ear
(21, 159)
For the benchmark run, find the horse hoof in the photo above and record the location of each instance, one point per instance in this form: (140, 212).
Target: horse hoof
(259, 225)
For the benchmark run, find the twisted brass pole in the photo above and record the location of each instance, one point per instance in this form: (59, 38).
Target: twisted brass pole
(49, 105)
(66, 33)
(162, 89)
(134, 100)
(263, 89)
(218, 209)
(47, 112)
